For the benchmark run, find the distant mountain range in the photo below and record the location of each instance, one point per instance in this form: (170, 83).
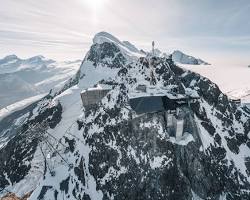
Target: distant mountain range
(180, 57)
(24, 78)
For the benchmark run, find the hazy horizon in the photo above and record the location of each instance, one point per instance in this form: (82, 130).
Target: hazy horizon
(217, 32)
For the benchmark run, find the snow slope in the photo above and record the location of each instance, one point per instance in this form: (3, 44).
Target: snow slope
(19, 105)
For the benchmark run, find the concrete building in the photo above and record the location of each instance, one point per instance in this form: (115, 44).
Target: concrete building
(91, 96)
(178, 123)
(172, 107)
(141, 88)
(150, 104)
(170, 120)
(175, 123)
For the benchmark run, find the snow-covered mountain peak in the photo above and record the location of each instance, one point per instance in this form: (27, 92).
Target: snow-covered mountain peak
(10, 57)
(130, 51)
(13, 61)
(127, 48)
(182, 58)
(37, 57)
(38, 60)
(102, 37)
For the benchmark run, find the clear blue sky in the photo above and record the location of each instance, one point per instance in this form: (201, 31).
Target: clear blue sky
(215, 30)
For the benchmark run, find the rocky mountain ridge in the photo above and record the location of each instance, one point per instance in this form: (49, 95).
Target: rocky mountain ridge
(62, 150)
(183, 58)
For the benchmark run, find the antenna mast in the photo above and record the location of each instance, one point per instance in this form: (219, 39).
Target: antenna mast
(151, 65)
(153, 48)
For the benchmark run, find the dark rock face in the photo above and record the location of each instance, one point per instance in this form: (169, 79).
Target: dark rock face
(79, 171)
(8, 128)
(131, 183)
(64, 185)
(43, 192)
(188, 169)
(16, 155)
(107, 54)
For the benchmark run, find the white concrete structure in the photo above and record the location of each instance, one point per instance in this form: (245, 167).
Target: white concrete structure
(179, 128)
(141, 88)
(92, 96)
(169, 118)
(175, 122)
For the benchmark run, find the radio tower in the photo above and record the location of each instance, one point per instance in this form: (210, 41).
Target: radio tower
(151, 64)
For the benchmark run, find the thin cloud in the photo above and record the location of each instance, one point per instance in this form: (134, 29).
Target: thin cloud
(195, 26)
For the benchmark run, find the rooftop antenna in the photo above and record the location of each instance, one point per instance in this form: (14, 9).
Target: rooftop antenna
(153, 48)
(151, 65)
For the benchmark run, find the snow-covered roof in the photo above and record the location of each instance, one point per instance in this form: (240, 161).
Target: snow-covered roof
(98, 87)
(156, 91)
